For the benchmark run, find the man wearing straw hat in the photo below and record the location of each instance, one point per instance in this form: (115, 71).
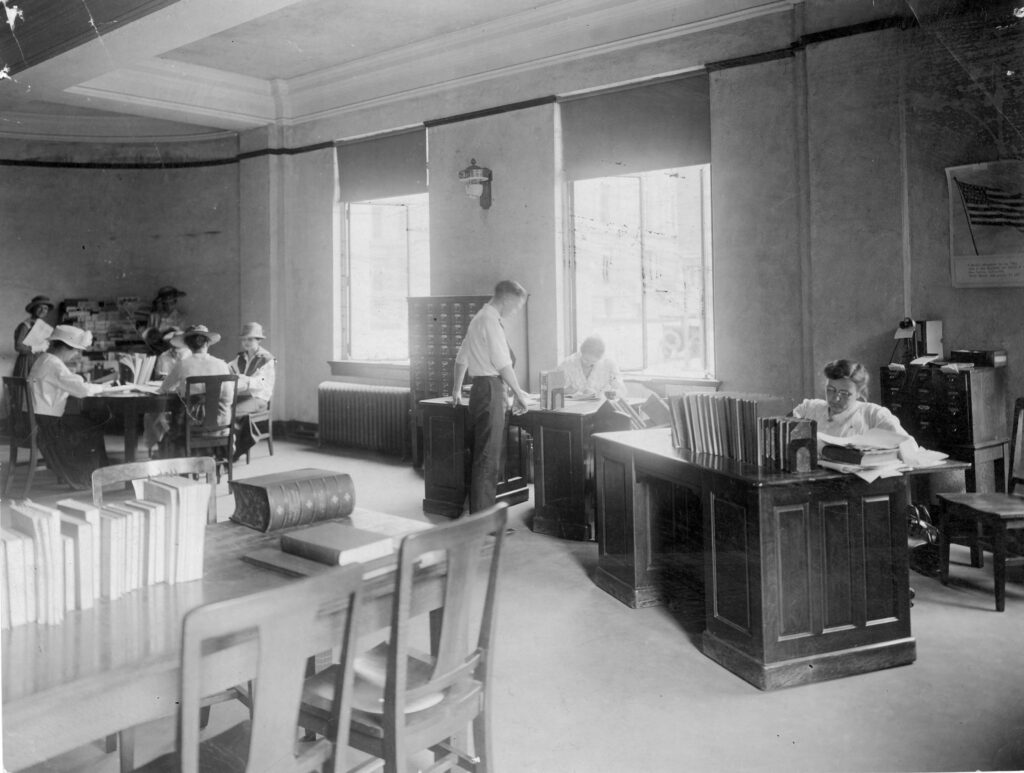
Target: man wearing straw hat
(255, 368)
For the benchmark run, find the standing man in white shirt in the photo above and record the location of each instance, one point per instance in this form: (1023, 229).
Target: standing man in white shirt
(487, 358)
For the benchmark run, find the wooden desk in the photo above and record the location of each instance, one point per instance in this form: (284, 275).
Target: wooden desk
(805, 577)
(447, 443)
(563, 462)
(116, 665)
(130, 406)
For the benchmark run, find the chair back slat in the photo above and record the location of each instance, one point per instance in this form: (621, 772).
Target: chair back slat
(267, 637)
(1016, 441)
(210, 394)
(154, 468)
(461, 646)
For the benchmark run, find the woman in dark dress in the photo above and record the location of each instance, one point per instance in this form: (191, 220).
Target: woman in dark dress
(37, 308)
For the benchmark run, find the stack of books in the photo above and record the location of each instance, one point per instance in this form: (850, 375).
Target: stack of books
(57, 559)
(135, 368)
(788, 444)
(723, 424)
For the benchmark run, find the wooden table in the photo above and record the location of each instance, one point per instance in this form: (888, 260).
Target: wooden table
(116, 665)
(805, 577)
(130, 406)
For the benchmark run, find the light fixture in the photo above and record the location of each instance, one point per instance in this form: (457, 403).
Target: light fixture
(477, 180)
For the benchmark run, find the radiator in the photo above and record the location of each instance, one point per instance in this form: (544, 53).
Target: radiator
(375, 418)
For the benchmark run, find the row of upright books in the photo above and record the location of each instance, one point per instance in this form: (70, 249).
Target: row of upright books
(58, 559)
(748, 428)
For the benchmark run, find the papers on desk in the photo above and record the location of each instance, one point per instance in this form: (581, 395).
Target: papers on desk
(911, 455)
(147, 389)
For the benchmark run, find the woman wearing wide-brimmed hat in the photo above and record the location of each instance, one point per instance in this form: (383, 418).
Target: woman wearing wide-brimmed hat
(198, 339)
(165, 313)
(73, 445)
(37, 308)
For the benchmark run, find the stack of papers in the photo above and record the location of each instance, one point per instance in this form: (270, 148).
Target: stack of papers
(911, 455)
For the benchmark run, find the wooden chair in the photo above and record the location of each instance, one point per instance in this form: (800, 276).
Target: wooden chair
(154, 468)
(204, 431)
(21, 429)
(267, 637)
(406, 701)
(259, 418)
(987, 521)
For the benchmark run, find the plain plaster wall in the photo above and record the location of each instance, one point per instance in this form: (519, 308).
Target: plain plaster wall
(472, 248)
(103, 233)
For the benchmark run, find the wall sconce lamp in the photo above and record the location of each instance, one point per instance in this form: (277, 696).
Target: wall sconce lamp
(477, 180)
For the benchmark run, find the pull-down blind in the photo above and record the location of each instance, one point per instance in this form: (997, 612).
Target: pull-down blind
(382, 167)
(658, 126)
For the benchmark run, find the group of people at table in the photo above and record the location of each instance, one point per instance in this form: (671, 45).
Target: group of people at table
(486, 357)
(73, 443)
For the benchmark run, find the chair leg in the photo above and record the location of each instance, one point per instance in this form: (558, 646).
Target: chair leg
(270, 436)
(126, 750)
(33, 460)
(10, 470)
(944, 544)
(999, 565)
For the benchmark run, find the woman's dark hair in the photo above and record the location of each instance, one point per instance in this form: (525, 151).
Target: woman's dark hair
(195, 341)
(59, 346)
(852, 370)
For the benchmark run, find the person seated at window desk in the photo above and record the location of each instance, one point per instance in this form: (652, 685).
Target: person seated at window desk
(72, 445)
(255, 368)
(588, 373)
(170, 437)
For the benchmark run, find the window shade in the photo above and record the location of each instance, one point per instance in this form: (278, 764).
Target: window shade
(658, 126)
(382, 167)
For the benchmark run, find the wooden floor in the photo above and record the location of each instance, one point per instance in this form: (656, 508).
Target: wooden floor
(585, 685)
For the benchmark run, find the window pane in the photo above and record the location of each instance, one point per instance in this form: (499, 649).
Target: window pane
(609, 297)
(389, 260)
(643, 269)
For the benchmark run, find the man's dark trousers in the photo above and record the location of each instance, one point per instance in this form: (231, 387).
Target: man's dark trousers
(487, 413)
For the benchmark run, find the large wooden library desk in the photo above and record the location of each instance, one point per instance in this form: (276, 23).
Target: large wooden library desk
(116, 665)
(805, 577)
(563, 462)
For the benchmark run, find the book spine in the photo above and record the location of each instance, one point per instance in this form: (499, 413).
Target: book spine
(310, 550)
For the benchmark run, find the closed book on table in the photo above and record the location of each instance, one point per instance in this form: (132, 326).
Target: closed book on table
(294, 498)
(337, 543)
(866, 457)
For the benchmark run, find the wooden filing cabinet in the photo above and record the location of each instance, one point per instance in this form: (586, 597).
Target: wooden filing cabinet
(962, 414)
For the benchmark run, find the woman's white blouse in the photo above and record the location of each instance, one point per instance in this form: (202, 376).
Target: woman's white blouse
(855, 420)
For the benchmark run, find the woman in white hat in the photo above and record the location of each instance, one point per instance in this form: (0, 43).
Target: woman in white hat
(200, 362)
(255, 368)
(37, 308)
(73, 445)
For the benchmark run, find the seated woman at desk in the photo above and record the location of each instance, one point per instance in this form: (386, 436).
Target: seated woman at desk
(72, 445)
(159, 429)
(588, 373)
(175, 352)
(845, 412)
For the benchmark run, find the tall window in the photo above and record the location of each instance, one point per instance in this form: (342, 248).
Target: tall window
(643, 268)
(638, 160)
(384, 245)
(388, 261)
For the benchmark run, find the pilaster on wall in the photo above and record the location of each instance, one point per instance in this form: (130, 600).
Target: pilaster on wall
(286, 272)
(756, 191)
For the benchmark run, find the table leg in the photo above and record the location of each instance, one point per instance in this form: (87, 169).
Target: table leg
(131, 433)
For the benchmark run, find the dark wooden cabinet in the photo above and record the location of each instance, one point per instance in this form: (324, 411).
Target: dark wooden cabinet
(447, 455)
(962, 414)
(805, 577)
(563, 466)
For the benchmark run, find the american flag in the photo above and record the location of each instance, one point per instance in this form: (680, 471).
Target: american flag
(988, 205)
